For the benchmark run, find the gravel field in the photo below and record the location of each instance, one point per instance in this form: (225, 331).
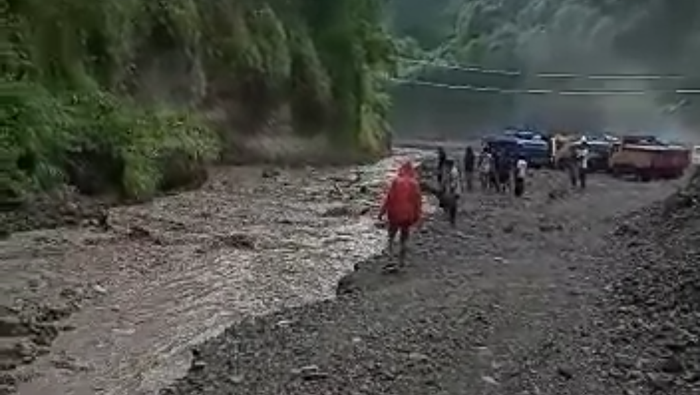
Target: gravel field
(544, 295)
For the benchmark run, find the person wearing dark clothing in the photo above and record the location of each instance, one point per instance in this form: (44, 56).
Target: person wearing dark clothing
(495, 165)
(582, 157)
(503, 167)
(451, 190)
(578, 163)
(441, 159)
(469, 167)
(520, 172)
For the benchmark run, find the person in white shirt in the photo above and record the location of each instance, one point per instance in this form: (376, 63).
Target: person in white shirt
(581, 155)
(520, 175)
(485, 170)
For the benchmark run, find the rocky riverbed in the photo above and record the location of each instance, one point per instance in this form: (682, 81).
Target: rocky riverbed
(563, 292)
(111, 303)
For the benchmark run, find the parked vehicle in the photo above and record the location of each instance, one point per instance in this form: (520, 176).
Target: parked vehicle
(599, 145)
(532, 145)
(600, 151)
(648, 158)
(506, 144)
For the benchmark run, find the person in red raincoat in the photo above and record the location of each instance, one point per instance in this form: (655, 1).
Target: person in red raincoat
(402, 207)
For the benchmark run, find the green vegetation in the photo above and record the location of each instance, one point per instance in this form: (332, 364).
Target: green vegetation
(509, 34)
(107, 94)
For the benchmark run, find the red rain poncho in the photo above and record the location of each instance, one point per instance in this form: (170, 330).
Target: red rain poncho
(403, 204)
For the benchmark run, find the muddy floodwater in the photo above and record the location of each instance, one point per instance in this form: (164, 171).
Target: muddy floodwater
(91, 311)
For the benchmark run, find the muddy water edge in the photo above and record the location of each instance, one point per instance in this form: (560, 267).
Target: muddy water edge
(114, 309)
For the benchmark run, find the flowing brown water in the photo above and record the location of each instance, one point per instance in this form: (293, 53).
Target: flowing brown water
(181, 269)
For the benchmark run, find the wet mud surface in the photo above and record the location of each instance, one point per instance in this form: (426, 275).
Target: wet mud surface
(551, 294)
(111, 305)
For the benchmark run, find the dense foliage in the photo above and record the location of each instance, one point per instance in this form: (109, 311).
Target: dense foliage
(113, 87)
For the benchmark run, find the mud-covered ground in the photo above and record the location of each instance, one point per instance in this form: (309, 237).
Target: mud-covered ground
(111, 304)
(531, 296)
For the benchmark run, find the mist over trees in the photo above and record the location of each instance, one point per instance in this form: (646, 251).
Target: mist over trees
(565, 36)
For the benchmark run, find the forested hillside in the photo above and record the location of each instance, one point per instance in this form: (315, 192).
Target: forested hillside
(111, 95)
(108, 95)
(567, 36)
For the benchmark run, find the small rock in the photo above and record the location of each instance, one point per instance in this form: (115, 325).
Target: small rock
(284, 323)
(550, 227)
(71, 293)
(418, 357)
(490, 380)
(67, 363)
(565, 372)
(99, 289)
(238, 241)
(310, 372)
(556, 194)
(341, 210)
(661, 382)
(138, 232)
(626, 229)
(270, 173)
(237, 379)
(198, 365)
(671, 365)
(124, 331)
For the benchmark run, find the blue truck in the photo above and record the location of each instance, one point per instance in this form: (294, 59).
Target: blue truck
(533, 146)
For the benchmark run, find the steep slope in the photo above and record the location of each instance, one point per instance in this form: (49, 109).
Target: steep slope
(114, 88)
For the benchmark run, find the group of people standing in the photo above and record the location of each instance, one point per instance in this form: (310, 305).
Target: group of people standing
(402, 207)
(497, 171)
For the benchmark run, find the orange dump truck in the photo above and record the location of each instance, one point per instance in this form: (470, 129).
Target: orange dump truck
(647, 158)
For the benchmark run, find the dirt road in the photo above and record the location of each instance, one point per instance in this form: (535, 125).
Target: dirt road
(89, 311)
(506, 303)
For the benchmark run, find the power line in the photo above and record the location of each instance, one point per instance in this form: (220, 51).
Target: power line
(488, 89)
(547, 75)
